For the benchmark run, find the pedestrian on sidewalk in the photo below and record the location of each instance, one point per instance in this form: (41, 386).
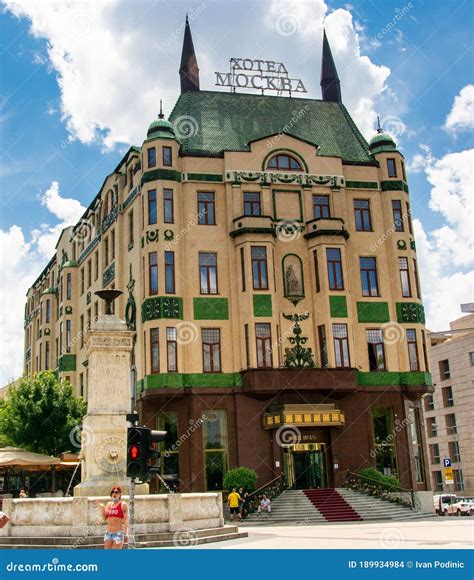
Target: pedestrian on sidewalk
(242, 503)
(115, 513)
(233, 501)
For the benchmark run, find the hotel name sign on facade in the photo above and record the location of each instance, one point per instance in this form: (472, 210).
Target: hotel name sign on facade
(264, 75)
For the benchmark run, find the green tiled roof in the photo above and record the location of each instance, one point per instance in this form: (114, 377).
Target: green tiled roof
(229, 121)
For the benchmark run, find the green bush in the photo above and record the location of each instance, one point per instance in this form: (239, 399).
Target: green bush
(240, 477)
(372, 476)
(391, 483)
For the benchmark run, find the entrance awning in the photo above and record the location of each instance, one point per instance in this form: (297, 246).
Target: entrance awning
(16, 457)
(304, 416)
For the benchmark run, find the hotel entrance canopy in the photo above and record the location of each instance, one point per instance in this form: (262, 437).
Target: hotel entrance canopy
(304, 416)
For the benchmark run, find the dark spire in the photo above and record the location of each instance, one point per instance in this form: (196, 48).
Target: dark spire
(189, 70)
(330, 85)
(161, 116)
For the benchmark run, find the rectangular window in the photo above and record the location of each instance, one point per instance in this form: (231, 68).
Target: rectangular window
(96, 311)
(323, 346)
(417, 280)
(89, 273)
(242, 268)
(167, 156)
(106, 252)
(259, 267)
(391, 168)
(60, 351)
(152, 215)
(429, 403)
(375, 349)
(83, 281)
(88, 319)
(247, 347)
(81, 319)
(333, 258)
(208, 272)
(263, 336)
(172, 349)
(168, 206)
(169, 448)
(471, 358)
(112, 244)
(48, 311)
(130, 228)
(431, 427)
(403, 171)
(363, 222)
(454, 452)
(448, 399)
(153, 272)
(321, 207)
(410, 224)
(46, 355)
(169, 273)
(368, 276)
(341, 345)
(316, 271)
(451, 427)
(211, 350)
(206, 209)
(68, 335)
(252, 203)
(215, 449)
(155, 350)
(40, 356)
(458, 480)
(416, 442)
(81, 385)
(425, 352)
(434, 450)
(96, 274)
(397, 215)
(412, 350)
(438, 480)
(444, 371)
(151, 157)
(404, 277)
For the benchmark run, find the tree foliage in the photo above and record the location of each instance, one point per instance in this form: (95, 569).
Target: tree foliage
(40, 413)
(240, 477)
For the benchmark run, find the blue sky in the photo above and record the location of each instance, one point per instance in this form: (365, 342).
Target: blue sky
(82, 80)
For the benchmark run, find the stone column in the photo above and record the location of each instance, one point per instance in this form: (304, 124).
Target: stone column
(104, 435)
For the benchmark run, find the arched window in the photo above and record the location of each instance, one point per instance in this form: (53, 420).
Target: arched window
(283, 162)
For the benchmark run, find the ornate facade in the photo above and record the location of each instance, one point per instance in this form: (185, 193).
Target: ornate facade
(268, 267)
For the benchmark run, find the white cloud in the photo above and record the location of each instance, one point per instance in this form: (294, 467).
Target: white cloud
(420, 160)
(446, 254)
(21, 261)
(461, 116)
(362, 81)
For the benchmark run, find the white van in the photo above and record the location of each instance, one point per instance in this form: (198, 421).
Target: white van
(442, 501)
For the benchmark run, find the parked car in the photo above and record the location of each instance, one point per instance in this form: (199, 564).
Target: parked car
(442, 501)
(462, 507)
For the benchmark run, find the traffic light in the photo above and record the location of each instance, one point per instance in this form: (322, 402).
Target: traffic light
(141, 452)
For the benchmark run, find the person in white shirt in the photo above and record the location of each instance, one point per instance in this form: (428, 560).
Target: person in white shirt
(265, 505)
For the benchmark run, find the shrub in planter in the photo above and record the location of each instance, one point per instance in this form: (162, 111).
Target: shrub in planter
(240, 477)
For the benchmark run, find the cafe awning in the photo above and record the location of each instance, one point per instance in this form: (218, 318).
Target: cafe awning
(17, 457)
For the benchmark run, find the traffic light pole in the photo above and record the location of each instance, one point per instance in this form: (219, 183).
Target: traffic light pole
(133, 422)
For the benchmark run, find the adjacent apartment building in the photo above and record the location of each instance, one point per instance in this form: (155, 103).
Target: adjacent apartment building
(268, 266)
(448, 411)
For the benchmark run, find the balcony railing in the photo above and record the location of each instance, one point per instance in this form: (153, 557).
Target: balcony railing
(326, 227)
(246, 224)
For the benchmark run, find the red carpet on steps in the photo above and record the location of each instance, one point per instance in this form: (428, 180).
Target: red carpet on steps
(332, 505)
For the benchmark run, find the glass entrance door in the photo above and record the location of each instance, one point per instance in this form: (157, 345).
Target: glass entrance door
(305, 466)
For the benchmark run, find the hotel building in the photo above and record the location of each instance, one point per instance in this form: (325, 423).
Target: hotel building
(268, 266)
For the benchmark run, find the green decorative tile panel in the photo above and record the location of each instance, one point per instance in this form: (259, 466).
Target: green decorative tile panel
(372, 312)
(387, 379)
(394, 186)
(204, 177)
(162, 307)
(161, 174)
(108, 275)
(180, 380)
(211, 308)
(67, 362)
(410, 312)
(362, 184)
(338, 306)
(262, 305)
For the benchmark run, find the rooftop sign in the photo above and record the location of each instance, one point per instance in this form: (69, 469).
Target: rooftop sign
(264, 75)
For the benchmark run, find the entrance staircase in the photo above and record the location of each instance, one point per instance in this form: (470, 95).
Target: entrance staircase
(320, 506)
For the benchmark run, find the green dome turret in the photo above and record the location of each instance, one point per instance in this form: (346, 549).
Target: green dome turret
(161, 128)
(381, 141)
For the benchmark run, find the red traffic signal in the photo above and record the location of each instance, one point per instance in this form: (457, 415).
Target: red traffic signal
(134, 452)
